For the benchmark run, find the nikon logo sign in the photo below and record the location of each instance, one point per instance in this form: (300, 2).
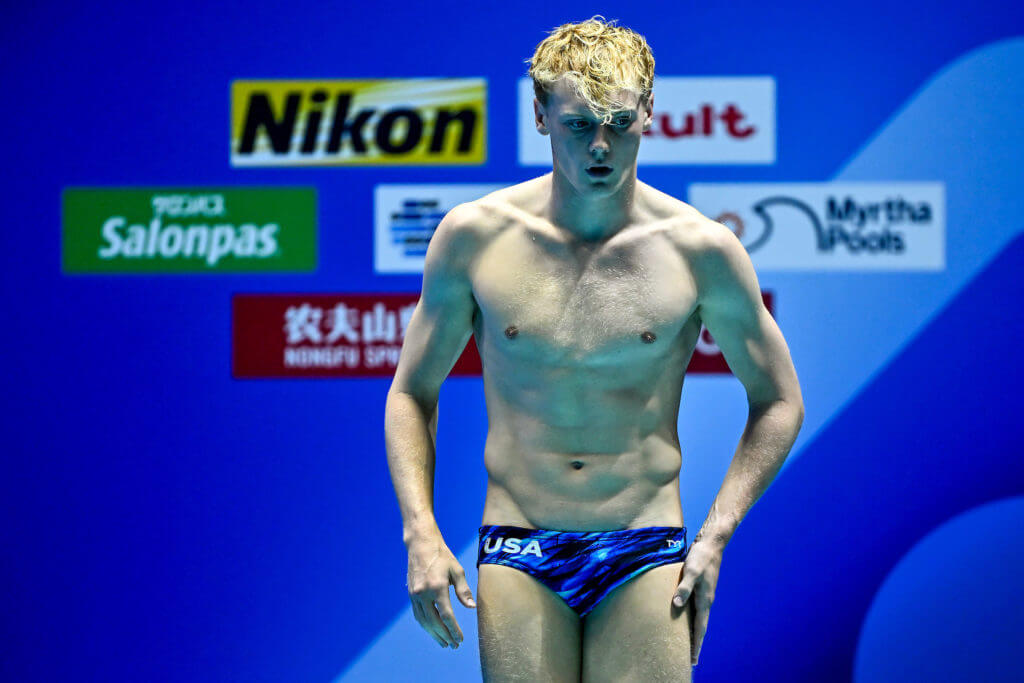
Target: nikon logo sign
(188, 230)
(440, 122)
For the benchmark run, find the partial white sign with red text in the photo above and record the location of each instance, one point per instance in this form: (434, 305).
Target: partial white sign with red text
(705, 120)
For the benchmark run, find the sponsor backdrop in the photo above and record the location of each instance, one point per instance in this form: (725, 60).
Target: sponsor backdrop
(216, 217)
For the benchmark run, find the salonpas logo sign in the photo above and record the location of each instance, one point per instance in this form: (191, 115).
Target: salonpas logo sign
(188, 230)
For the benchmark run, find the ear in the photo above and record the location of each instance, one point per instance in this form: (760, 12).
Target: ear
(648, 112)
(540, 117)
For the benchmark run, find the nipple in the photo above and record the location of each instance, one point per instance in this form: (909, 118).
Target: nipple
(511, 331)
(648, 337)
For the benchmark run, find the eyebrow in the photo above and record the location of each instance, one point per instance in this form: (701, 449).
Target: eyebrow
(590, 115)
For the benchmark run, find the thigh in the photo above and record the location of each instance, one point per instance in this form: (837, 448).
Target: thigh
(637, 634)
(527, 633)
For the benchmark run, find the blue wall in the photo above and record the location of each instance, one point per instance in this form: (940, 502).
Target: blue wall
(166, 522)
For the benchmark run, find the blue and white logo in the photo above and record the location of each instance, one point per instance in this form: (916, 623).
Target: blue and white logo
(405, 218)
(832, 226)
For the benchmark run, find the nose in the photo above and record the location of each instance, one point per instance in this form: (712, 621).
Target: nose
(599, 145)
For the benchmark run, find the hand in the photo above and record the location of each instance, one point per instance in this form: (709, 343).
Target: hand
(432, 568)
(700, 575)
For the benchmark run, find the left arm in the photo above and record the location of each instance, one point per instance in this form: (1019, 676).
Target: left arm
(730, 305)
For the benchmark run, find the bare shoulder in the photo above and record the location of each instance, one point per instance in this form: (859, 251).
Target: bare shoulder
(720, 265)
(713, 254)
(460, 237)
(694, 234)
(458, 234)
(469, 227)
(707, 243)
(518, 202)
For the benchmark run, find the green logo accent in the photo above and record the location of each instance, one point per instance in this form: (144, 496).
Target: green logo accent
(188, 230)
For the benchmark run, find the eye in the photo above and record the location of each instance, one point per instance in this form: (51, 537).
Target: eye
(622, 122)
(577, 124)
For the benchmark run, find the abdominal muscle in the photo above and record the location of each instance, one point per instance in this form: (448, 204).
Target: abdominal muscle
(634, 485)
(574, 448)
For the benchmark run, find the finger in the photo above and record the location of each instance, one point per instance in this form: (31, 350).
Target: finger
(700, 626)
(444, 609)
(684, 589)
(439, 626)
(431, 621)
(462, 590)
(417, 611)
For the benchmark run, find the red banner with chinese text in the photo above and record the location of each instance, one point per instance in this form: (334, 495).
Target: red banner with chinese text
(325, 335)
(357, 335)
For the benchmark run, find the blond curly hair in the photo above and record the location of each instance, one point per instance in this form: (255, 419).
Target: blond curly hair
(597, 58)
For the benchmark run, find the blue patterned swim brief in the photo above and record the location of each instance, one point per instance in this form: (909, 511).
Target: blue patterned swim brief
(582, 566)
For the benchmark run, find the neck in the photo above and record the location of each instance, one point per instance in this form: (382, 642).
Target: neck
(591, 217)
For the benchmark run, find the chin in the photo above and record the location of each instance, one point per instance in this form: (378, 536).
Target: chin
(601, 185)
(602, 189)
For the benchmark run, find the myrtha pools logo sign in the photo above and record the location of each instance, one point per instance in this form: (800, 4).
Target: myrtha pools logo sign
(412, 121)
(190, 230)
(832, 226)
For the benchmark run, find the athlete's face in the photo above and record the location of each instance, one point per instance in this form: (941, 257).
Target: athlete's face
(593, 156)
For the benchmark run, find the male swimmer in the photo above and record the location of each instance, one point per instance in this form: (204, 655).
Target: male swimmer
(586, 290)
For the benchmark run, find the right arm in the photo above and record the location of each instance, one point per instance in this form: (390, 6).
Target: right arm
(438, 331)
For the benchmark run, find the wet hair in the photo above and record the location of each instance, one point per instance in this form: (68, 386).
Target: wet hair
(597, 58)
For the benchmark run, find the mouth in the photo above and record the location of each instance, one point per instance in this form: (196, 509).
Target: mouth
(599, 171)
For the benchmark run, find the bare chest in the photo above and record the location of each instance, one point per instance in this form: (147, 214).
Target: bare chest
(581, 304)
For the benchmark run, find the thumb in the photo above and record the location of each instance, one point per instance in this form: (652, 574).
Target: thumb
(683, 591)
(462, 589)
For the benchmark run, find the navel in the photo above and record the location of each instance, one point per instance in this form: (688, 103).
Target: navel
(577, 465)
(648, 337)
(511, 331)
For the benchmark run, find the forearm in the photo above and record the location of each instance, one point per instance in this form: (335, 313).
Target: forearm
(410, 441)
(767, 439)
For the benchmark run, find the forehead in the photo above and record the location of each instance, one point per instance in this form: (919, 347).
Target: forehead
(562, 97)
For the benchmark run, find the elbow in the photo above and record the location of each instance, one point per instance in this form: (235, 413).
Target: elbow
(788, 409)
(402, 401)
(794, 405)
(792, 400)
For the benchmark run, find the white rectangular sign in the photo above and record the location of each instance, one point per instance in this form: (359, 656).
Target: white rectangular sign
(832, 226)
(405, 217)
(720, 120)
